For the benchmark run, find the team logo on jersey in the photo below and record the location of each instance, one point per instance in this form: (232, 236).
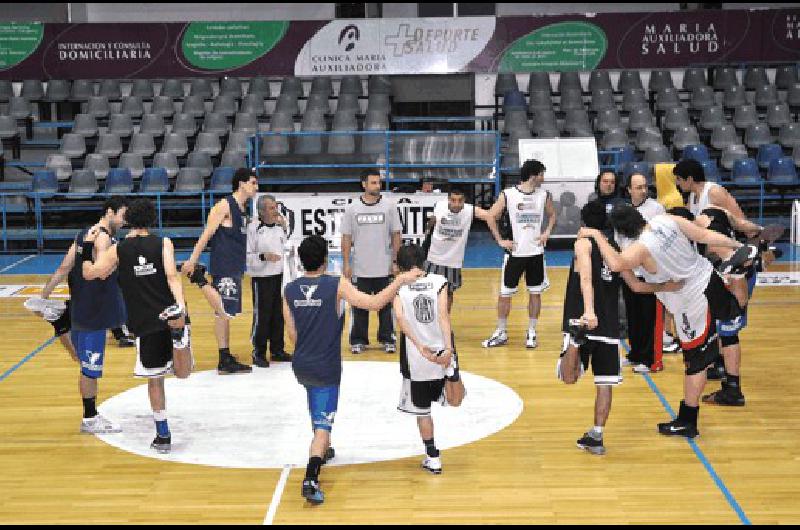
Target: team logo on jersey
(308, 292)
(605, 273)
(371, 218)
(227, 287)
(423, 309)
(144, 268)
(687, 328)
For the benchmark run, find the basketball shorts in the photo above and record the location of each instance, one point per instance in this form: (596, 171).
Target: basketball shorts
(230, 290)
(323, 402)
(602, 356)
(416, 397)
(452, 274)
(91, 349)
(731, 328)
(535, 274)
(154, 351)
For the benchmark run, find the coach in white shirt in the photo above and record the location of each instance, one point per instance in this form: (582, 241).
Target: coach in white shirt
(266, 237)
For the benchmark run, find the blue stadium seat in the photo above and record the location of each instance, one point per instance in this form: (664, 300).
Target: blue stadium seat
(711, 170)
(697, 152)
(767, 153)
(221, 180)
(635, 167)
(782, 171)
(514, 99)
(119, 180)
(44, 181)
(155, 180)
(745, 171)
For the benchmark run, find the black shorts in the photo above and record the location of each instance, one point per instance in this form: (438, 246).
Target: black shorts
(603, 357)
(514, 267)
(154, 354)
(452, 274)
(416, 397)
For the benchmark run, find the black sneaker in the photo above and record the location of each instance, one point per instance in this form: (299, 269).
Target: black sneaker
(162, 445)
(260, 360)
(329, 455)
(726, 396)
(678, 427)
(229, 365)
(591, 444)
(716, 372)
(281, 357)
(312, 492)
(126, 341)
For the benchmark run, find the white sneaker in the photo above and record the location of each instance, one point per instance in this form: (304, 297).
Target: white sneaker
(670, 344)
(434, 465)
(624, 361)
(99, 425)
(641, 369)
(530, 339)
(498, 338)
(355, 349)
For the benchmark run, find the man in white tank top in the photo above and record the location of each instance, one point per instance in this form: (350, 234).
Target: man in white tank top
(525, 206)
(448, 231)
(428, 360)
(664, 251)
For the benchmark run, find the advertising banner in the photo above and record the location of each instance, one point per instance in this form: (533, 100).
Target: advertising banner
(398, 46)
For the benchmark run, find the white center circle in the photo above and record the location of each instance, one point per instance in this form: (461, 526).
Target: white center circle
(261, 420)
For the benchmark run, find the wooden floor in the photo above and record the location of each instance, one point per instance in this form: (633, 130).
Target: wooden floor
(530, 472)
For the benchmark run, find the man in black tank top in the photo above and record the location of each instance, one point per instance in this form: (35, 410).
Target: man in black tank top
(591, 323)
(151, 288)
(226, 230)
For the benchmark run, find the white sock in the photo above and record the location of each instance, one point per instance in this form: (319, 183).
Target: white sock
(597, 430)
(159, 415)
(532, 324)
(502, 323)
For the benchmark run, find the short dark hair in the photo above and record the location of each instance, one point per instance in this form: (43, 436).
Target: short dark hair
(681, 211)
(615, 193)
(627, 220)
(367, 173)
(114, 203)
(531, 168)
(141, 213)
(456, 190)
(410, 256)
(593, 215)
(313, 252)
(690, 168)
(242, 174)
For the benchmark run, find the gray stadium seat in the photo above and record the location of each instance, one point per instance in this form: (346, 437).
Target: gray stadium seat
(539, 99)
(194, 105)
(656, 154)
(602, 99)
(789, 135)
(6, 90)
(667, 98)
(109, 145)
(132, 106)
(539, 81)
(83, 181)
(379, 84)
(85, 125)
(725, 77)
(513, 140)
(576, 123)
(348, 102)
(766, 95)
(378, 120)
(694, 78)
(20, 108)
(57, 90)
(246, 123)
(60, 164)
(238, 142)
(167, 161)
(515, 119)
(380, 102)
(793, 97)
(724, 135)
(732, 153)
(686, 135)
(260, 86)
(711, 118)
(110, 89)
(778, 115)
(599, 80)
(97, 163)
(757, 135)
(569, 81)
(321, 85)
(215, 123)
(98, 106)
(648, 137)
(254, 104)
(142, 144)
(351, 84)
(233, 159)
(230, 86)
(73, 145)
(82, 90)
(226, 105)
(201, 88)
(153, 124)
(614, 139)
(640, 118)
(744, 116)
(313, 121)
(375, 121)
(702, 98)
(287, 102)
(190, 179)
(163, 106)
(754, 77)
(32, 90)
(504, 83)
(184, 124)
(121, 125)
(786, 76)
(8, 127)
(675, 118)
(318, 101)
(634, 98)
(176, 144)
(659, 80)
(292, 85)
(142, 88)
(279, 145)
(571, 99)
(201, 161)
(173, 88)
(607, 119)
(208, 142)
(133, 162)
(735, 96)
(629, 79)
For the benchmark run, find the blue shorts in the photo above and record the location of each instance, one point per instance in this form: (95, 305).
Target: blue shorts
(323, 401)
(731, 328)
(230, 290)
(91, 349)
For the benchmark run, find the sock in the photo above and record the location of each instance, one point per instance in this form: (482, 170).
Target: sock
(502, 323)
(118, 333)
(688, 414)
(313, 467)
(223, 353)
(532, 324)
(596, 432)
(732, 381)
(430, 448)
(89, 407)
(162, 427)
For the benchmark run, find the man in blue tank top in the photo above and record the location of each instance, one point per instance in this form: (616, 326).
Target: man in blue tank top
(226, 230)
(313, 308)
(95, 307)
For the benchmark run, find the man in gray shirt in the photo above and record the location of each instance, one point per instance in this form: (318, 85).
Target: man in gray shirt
(371, 229)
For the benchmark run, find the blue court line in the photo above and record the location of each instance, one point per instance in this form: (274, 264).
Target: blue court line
(27, 358)
(697, 451)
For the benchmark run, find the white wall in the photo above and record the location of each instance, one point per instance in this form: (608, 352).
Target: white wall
(134, 12)
(514, 9)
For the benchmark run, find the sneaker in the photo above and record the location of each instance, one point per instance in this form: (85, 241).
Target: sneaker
(126, 341)
(678, 427)
(530, 339)
(281, 357)
(229, 365)
(260, 360)
(716, 372)
(389, 347)
(641, 369)
(498, 338)
(624, 361)
(434, 465)
(725, 396)
(312, 492)
(670, 344)
(99, 425)
(657, 367)
(162, 445)
(355, 349)
(329, 455)
(591, 444)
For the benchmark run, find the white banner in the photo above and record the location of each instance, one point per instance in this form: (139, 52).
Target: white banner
(778, 279)
(395, 46)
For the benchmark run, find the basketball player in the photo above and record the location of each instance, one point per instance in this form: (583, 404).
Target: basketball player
(428, 359)
(448, 229)
(94, 308)
(591, 323)
(226, 229)
(663, 249)
(313, 309)
(525, 206)
(151, 287)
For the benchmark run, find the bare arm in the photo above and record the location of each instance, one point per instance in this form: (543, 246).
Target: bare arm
(719, 196)
(628, 259)
(347, 245)
(397, 241)
(61, 272)
(402, 323)
(291, 330)
(491, 222)
(215, 218)
(173, 279)
(550, 210)
(444, 320)
(493, 215)
(703, 235)
(375, 302)
(638, 286)
(583, 266)
(102, 267)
